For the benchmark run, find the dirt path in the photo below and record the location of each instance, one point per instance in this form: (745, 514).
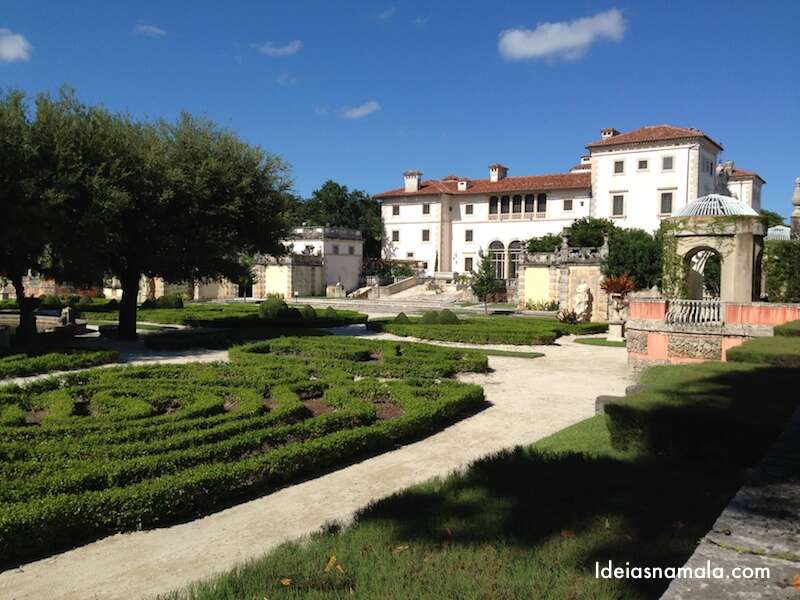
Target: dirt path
(531, 398)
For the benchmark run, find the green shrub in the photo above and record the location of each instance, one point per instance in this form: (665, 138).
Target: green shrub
(402, 319)
(308, 312)
(112, 304)
(781, 267)
(50, 301)
(790, 329)
(780, 351)
(85, 301)
(547, 243)
(430, 317)
(170, 301)
(271, 307)
(330, 313)
(447, 317)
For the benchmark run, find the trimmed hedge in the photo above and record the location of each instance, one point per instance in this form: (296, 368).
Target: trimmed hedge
(489, 330)
(184, 339)
(790, 329)
(779, 351)
(23, 365)
(716, 410)
(135, 447)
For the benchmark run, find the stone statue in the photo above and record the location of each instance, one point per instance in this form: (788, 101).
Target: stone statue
(67, 316)
(583, 303)
(724, 171)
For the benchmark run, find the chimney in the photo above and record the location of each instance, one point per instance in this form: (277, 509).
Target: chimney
(608, 132)
(412, 179)
(586, 159)
(497, 172)
(463, 184)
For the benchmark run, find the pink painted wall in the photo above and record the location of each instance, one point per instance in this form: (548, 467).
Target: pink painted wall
(757, 313)
(656, 310)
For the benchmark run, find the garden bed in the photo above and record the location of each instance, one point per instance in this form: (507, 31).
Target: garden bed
(100, 451)
(489, 330)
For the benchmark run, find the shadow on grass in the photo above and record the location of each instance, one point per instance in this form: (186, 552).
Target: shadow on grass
(533, 522)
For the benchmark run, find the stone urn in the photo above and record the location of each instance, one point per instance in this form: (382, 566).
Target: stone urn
(616, 321)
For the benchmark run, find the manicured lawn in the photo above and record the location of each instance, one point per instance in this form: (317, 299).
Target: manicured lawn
(533, 522)
(489, 330)
(781, 350)
(106, 450)
(599, 342)
(25, 364)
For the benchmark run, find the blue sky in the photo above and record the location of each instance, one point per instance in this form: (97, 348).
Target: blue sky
(361, 91)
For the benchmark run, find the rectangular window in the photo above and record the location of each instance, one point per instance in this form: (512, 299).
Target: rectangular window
(642, 165)
(468, 264)
(336, 248)
(409, 255)
(619, 167)
(541, 204)
(617, 205)
(528, 203)
(468, 209)
(426, 209)
(567, 205)
(493, 205)
(468, 235)
(426, 235)
(395, 210)
(666, 163)
(516, 204)
(351, 250)
(666, 203)
(504, 205)
(395, 236)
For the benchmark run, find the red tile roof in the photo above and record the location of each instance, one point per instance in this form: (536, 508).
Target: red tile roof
(738, 173)
(558, 181)
(653, 133)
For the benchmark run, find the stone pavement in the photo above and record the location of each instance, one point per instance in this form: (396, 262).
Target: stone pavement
(759, 528)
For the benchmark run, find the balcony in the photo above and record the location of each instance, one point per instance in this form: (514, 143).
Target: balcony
(695, 312)
(519, 216)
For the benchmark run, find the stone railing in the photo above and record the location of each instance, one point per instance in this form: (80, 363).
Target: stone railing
(694, 312)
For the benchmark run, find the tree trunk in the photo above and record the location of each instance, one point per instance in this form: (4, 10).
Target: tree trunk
(486, 305)
(127, 306)
(27, 317)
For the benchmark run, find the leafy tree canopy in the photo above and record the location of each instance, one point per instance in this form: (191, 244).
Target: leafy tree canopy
(484, 282)
(771, 218)
(335, 206)
(588, 232)
(635, 253)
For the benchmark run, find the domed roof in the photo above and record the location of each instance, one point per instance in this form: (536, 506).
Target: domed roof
(716, 205)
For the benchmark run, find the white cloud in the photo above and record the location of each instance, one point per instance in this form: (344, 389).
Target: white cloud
(286, 79)
(14, 47)
(386, 14)
(149, 31)
(271, 50)
(564, 39)
(357, 112)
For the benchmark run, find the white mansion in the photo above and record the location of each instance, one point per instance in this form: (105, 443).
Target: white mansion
(635, 178)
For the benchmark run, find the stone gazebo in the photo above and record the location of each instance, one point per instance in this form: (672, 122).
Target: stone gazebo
(694, 322)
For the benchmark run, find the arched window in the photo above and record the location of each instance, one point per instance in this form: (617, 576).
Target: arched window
(493, 205)
(514, 258)
(516, 204)
(497, 253)
(504, 205)
(529, 203)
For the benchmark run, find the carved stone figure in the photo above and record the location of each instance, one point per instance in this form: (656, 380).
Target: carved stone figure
(583, 303)
(67, 316)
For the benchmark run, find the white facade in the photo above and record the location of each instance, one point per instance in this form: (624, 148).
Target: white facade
(635, 178)
(341, 251)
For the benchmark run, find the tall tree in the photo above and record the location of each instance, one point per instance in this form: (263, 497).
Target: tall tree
(771, 218)
(484, 282)
(182, 201)
(25, 222)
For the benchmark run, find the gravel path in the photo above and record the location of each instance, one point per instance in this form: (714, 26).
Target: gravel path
(530, 399)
